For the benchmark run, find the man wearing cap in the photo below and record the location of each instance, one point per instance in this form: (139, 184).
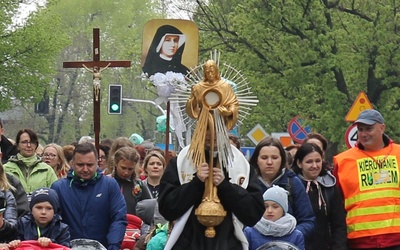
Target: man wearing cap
(368, 175)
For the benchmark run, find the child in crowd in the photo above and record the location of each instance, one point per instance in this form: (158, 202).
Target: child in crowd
(276, 224)
(43, 223)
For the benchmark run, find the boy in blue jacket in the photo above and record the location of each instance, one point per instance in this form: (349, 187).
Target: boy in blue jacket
(43, 223)
(276, 225)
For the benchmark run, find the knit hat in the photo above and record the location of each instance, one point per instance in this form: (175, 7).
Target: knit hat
(278, 195)
(43, 195)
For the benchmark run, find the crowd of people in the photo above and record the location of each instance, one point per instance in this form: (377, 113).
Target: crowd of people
(128, 196)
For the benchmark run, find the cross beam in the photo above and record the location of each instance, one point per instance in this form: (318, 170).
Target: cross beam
(97, 66)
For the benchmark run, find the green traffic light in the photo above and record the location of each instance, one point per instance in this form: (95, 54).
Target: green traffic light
(114, 107)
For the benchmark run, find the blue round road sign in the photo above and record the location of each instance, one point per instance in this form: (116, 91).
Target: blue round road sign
(297, 130)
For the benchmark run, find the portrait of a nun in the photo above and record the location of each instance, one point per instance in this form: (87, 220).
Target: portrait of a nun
(165, 52)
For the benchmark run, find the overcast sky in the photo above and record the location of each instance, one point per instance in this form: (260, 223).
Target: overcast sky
(173, 9)
(26, 8)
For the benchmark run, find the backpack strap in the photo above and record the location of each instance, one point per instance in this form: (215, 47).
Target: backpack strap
(288, 188)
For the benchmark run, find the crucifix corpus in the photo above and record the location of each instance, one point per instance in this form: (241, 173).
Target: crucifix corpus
(96, 67)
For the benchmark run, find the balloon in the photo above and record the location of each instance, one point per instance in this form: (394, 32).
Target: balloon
(161, 123)
(136, 139)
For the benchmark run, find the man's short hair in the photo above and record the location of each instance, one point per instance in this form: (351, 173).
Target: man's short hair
(85, 148)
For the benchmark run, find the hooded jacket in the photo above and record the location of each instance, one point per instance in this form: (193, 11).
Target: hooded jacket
(330, 224)
(56, 230)
(9, 231)
(93, 209)
(299, 203)
(283, 229)
(39, 173)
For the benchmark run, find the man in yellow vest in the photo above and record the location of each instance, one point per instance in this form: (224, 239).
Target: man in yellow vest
(368, 175)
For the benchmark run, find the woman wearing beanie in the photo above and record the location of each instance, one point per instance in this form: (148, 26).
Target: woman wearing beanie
(276, 225)
(43, 223)
(326, 200)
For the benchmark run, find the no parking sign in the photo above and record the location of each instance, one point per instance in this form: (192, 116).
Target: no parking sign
(297, 130)
(351, 136)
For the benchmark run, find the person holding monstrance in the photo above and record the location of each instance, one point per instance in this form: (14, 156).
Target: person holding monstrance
(199, 189)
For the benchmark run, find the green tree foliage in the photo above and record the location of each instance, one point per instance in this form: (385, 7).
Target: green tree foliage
(27, 54)
(121, 24)
(67, 27)
(309, 58)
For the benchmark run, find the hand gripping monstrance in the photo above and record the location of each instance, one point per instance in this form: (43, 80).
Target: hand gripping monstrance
(215, 106)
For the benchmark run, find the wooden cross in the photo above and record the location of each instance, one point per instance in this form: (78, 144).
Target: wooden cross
(97, 66)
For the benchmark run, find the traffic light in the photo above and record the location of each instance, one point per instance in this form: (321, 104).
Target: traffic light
(115, 99)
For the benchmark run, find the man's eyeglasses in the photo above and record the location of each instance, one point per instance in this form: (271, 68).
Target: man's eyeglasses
(26, 143)
(102, 158)
(50, 156)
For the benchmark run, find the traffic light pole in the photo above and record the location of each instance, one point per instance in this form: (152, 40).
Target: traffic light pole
(145, 101)
(164, 113)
